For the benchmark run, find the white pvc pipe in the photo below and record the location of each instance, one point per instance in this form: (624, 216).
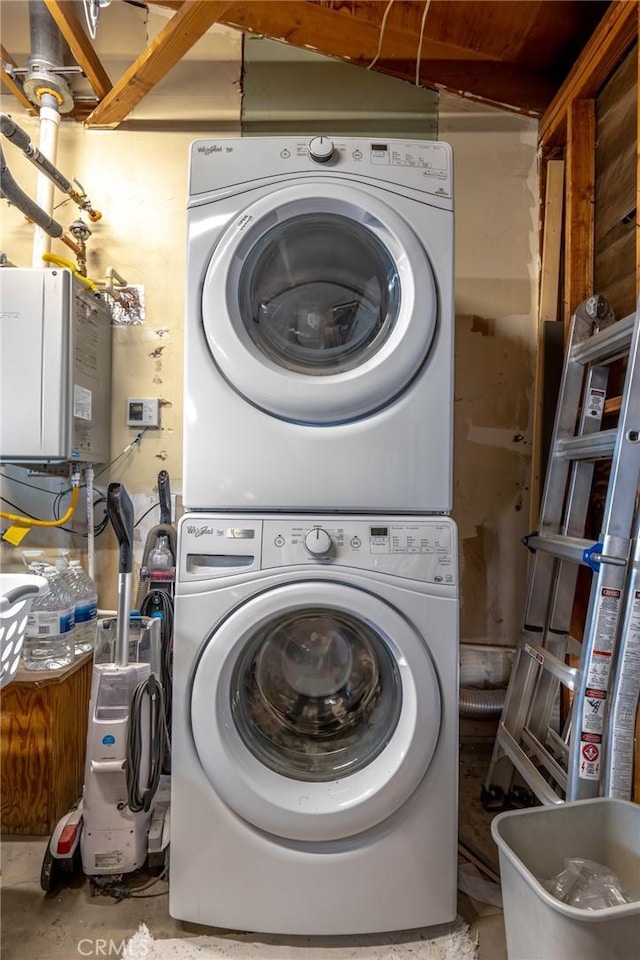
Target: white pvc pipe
(91, 540)
(48, 147)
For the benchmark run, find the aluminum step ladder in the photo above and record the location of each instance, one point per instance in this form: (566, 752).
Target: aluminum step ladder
(625, 692)
(566, 762)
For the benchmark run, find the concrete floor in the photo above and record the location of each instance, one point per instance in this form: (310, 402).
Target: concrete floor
(71, 923)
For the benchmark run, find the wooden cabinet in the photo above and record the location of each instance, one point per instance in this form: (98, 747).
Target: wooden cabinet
(44, 731)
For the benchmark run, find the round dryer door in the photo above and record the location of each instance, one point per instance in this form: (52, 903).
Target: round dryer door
(315, 710)
(319, 304)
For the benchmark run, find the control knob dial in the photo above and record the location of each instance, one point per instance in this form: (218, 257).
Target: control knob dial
(317, 542)
(321, 149)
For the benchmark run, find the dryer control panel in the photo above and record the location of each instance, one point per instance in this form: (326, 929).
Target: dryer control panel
(423, 165)
(424, 550)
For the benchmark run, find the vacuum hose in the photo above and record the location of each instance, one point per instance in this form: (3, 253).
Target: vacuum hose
(139, 797)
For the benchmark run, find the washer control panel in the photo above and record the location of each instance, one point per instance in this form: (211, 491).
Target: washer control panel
(420, 549)
(424, 550)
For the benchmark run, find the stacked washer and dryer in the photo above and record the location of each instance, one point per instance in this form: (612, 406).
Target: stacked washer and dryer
(315, 742)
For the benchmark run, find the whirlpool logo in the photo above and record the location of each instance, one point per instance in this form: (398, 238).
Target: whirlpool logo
(203, 531)
(207, 151)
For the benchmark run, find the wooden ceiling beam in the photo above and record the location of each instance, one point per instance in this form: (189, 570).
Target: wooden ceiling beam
(614, 35)
(503, 85)
(65, 18)
(579, 205)
(339, 32)
(12, 85)
(191, 21)
(477, 36)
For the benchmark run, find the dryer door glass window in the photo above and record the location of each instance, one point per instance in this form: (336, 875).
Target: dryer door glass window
(316, 694)
(319, 294)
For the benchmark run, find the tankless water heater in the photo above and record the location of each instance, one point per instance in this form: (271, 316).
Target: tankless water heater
(55, 364)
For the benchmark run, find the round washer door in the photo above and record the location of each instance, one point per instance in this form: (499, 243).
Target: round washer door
(319, 304)
(315, 710)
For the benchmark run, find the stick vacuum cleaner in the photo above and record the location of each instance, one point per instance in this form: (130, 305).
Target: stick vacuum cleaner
(111, 827)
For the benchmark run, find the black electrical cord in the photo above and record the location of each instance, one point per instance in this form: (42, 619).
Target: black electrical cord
(98, 528)
(23, 483)
(138, 437)
(110, 887)
(56, 506)
(162, 601)
(16, 507)
(147, 512)
(140, 797)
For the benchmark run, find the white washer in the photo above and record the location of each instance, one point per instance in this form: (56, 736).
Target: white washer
(315, 747)
(319, 325)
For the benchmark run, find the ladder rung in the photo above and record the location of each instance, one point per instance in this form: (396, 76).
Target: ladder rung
(606, 345)
(523, 764)
(571, 548)
(565, 548)
(547, 760)
(568, 676)
(565, 763)
(597, 446)
(555, 740)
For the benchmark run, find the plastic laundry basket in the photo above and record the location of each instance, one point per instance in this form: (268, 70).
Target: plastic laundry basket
(533, 844)
(17, 593)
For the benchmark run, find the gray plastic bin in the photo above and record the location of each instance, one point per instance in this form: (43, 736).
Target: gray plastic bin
(534, 844)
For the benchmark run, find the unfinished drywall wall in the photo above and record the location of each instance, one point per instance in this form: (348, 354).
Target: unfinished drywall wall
(137, 177)
(496, 272)
(290, 90)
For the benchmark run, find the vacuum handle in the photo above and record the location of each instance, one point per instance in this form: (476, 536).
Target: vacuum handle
(164, 494)
(120, 513)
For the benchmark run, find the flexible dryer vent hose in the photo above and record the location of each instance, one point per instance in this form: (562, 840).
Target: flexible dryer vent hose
(481, 704)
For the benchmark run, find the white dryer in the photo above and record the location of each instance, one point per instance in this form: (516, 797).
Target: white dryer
(315, 748)
(319, 325)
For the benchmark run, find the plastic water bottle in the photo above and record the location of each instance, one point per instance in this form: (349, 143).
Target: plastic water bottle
(85, 598)
(48, 643)
(62, 561)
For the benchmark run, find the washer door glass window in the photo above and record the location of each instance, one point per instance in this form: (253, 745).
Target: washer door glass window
(319, 303)
(319, 294)
(316, 695)
(315, 710)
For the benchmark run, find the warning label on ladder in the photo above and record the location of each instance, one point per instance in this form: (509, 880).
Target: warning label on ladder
(599, 669)
(595, 403)
(607, 622)
(593, 709)
(590, 746)
(621, 744)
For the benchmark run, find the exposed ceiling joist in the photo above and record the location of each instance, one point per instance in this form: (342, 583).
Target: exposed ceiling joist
(64, 15)
(445, 36)
(190, 22)
(527, 91)
(509, 53)
(613, 37)
(11, 85)
(348, 35)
